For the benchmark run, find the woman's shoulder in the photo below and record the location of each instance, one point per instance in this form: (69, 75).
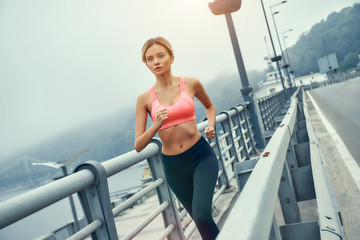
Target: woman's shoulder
(191, 82)
(144, 97)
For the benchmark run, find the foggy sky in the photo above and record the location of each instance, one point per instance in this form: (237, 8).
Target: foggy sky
(63, 63)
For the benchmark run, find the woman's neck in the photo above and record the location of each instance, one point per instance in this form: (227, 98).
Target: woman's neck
(164, 81)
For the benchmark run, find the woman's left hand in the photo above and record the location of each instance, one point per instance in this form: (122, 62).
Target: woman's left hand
(210, 132)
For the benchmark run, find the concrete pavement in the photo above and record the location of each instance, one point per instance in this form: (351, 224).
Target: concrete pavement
(346, 190)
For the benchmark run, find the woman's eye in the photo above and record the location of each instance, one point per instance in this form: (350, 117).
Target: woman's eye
(150, 59)
(161, 56)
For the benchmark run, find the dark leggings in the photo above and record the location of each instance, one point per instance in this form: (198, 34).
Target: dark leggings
(192, 176)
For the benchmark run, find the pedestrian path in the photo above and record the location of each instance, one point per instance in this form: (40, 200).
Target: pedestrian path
(133, 216)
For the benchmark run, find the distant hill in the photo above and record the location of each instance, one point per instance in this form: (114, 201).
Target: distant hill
(339, 33)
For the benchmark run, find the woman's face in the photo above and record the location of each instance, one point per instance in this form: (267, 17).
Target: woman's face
(158, 59)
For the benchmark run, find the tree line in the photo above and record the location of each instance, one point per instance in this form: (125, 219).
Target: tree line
(339, 34)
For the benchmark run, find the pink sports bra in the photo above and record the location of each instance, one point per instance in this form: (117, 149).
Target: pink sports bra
(183, 110)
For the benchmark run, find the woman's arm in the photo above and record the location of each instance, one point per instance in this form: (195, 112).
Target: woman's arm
(143, 136)
(209, 107)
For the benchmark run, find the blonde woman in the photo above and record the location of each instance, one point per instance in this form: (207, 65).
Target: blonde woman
(190, 164)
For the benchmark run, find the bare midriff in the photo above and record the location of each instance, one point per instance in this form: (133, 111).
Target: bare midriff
(179, 138)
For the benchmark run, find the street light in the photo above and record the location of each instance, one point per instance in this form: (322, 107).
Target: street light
(275, 58)
(277, 34)
(226, 7)
(63, 168)
(287, 55)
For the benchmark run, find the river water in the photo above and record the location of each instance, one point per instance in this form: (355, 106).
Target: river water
(59, 214)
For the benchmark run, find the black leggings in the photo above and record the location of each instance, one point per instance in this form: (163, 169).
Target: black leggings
(192, 177)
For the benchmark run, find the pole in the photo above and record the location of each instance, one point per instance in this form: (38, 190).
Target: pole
(287, 55)
(276, 58)
(246, 90)
(327, 57)
(282, 53)
(72, 205)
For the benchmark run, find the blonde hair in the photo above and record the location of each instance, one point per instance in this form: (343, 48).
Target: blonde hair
(158, 40)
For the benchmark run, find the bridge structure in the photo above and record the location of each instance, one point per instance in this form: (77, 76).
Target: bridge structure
(267, 185)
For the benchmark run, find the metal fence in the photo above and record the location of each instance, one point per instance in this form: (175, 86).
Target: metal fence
(271, 106)
(337, 78)
(291, 169)
(234, 143)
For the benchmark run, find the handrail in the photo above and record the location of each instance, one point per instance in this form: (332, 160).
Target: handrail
(234, 143)
(234, 137)
(256, 202)
(120, 163)
(30, 202)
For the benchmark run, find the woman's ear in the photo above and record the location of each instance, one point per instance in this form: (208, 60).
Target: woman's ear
(172, 58)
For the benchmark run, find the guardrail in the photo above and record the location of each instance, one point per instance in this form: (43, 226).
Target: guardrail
(338, 78)
(285, 172)
(271, 106)
(330, 223)
(256, 202)
(234, 143)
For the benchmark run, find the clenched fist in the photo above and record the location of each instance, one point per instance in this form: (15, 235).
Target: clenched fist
(161, 116)
(210, 132)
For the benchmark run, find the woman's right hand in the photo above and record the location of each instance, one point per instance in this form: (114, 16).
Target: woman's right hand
(161, 116)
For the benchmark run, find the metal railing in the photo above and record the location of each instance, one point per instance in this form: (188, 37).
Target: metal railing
(270, 107)
(256, 202)
(330, 224)
(234, 143)
(291, 169)
(337, 78)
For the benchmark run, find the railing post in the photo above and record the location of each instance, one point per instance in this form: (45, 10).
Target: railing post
(170, 214)
(249, 133)
(240, 133)
(287, 197)
(256, 122)
(226, 126)
(95, 201)
(262, 112)
(290, 155)
(223, 178)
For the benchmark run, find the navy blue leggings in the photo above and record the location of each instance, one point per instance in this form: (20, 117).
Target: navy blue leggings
(192, 176)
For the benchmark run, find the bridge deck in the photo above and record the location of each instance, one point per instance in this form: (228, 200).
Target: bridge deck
(346, 190)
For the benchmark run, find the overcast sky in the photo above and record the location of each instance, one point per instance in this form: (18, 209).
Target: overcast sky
(66, 62)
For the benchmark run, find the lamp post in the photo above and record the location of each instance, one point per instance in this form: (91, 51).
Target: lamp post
(226, 7)
(287, 55)
(277, 34)
(63, 168)
(275, 58)
(327, 58)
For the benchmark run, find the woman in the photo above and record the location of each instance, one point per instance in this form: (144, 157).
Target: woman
(190, 164)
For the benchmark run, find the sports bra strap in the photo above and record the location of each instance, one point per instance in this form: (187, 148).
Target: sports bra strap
(182, 84)
(182, 88)
(153, 94)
